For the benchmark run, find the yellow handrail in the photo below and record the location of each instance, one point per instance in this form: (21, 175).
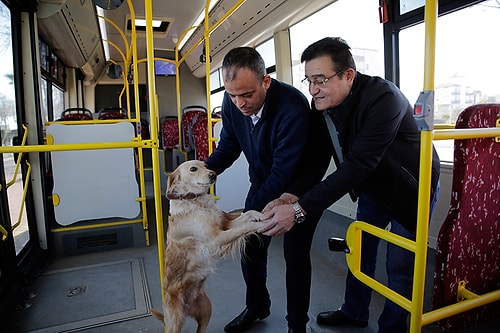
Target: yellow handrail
(19, 157)
(467, 133)
(25, 191)
(3, 232)
(136, 142)
(74, 146)
(460, 307)
(353, 258)
(13, 181)
(467, 300)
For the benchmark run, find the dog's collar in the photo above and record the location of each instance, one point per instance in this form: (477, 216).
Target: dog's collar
(186, 196)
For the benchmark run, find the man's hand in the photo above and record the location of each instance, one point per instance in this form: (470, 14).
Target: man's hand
(281, 219)
(285, 198)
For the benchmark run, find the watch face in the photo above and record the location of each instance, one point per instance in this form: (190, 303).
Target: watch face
(300, 219)
(108, 4)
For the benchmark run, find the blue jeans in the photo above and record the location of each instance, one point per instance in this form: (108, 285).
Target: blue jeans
(399, 268)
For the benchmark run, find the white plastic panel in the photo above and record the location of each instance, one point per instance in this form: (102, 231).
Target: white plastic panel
(94, 184)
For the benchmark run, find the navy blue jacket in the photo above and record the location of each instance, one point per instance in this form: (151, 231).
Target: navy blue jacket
(275, 147)
(381, 150)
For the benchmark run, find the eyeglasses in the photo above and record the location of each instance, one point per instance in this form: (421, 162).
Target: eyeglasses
(321, 83)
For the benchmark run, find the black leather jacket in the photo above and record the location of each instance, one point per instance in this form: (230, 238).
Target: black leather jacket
(381, 150)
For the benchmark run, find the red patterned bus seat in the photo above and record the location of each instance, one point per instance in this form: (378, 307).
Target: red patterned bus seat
(112, 113)
(189, 114)
(200, 137)
(170, 132)
(76, 114)
(468, 245)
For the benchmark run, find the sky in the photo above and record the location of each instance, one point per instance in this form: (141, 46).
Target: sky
(467, 45)
(5, 52)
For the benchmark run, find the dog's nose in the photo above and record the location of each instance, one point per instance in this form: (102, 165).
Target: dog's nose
(212, 176)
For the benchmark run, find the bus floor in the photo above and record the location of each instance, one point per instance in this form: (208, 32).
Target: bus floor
(112, 291)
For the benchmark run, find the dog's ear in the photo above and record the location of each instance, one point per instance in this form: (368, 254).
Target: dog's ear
(173, 179)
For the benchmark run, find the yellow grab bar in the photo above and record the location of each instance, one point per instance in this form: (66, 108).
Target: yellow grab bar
(25, 191)
(19, 157)
(4, 233)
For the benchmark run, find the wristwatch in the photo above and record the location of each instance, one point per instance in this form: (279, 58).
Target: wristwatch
(299, 214)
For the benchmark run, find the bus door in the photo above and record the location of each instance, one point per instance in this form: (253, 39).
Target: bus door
(16, 233)
(18, 230)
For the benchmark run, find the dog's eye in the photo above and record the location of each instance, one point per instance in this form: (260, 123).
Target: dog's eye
(193, 169)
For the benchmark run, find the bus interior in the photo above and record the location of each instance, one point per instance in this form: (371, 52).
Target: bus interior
(102, 99)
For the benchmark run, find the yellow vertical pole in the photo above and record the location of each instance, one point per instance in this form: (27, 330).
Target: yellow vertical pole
(430, 43)
(206, 36)
(154, 130)
(178, 88)
(425, 172)
(135, 74)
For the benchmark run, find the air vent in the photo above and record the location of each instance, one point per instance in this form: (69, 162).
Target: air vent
(86, 241)
(97, 240)
(160, 26)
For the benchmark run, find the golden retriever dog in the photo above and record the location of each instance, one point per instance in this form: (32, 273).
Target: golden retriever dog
(198, 233)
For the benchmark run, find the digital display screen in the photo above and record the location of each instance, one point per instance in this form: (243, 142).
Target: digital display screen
(164, 68)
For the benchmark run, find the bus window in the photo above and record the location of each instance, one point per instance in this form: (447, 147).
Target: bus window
(217, 89)
(57, 101)
(53, 73)
(466, 66)
(266, 50)
(8, 126)
(366, 44)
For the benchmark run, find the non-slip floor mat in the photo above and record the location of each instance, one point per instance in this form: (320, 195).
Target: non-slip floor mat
(79, 297)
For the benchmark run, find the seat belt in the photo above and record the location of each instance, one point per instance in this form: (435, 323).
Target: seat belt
(336, 145)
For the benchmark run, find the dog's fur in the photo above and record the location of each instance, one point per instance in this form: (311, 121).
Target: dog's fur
(198, 233)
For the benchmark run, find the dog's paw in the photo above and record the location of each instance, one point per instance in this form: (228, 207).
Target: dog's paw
(253, 215)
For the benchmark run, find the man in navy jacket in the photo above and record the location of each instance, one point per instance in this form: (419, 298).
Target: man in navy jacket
(271, 123)
(379, 162)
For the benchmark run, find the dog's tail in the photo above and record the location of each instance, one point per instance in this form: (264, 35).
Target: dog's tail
(157, 314)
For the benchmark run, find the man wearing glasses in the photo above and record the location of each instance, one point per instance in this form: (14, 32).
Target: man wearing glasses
(378, 163)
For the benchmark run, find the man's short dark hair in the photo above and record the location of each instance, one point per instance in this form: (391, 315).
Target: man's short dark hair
(243, 57)
(334, 47)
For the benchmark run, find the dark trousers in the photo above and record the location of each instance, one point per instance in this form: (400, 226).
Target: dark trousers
(296, 248)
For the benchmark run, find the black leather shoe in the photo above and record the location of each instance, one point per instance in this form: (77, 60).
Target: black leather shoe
(338, 318)
(245, 320)
(297, 330)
